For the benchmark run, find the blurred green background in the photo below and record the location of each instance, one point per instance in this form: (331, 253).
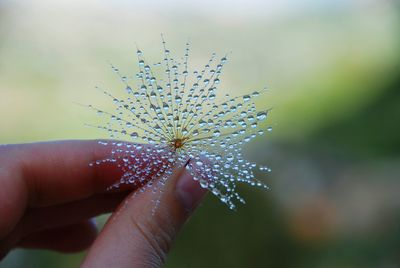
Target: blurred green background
(333, 69)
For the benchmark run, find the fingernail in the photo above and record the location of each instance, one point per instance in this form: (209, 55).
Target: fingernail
(189, 191)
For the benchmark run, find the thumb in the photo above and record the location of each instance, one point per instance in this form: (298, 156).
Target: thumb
(139, 236)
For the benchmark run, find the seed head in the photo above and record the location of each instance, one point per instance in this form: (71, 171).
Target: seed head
(177, 112)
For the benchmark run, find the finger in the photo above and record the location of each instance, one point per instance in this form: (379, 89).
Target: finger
(37, 219)
(70, 238)
(50, 173)
(137, 235)
(59, 172)
(40, 219)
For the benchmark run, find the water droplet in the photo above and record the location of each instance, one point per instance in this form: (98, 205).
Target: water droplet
(261, 115)
(216, 133)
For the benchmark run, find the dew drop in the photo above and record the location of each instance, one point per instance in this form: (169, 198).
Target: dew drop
(216, 133)
(261, 115)
(246, 98)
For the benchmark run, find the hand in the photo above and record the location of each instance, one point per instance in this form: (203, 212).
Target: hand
(49, 193)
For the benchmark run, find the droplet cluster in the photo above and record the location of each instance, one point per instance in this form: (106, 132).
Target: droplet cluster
(171, 116)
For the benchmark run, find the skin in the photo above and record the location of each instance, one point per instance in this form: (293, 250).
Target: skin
(49, 194)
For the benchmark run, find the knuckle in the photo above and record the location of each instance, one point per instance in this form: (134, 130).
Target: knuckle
(163, 235)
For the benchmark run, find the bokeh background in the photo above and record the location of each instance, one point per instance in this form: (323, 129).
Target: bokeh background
(333, 70)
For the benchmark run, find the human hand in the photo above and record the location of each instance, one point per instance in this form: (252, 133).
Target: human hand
(49, 193)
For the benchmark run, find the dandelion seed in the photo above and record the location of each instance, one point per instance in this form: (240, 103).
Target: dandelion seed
(185, 123)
